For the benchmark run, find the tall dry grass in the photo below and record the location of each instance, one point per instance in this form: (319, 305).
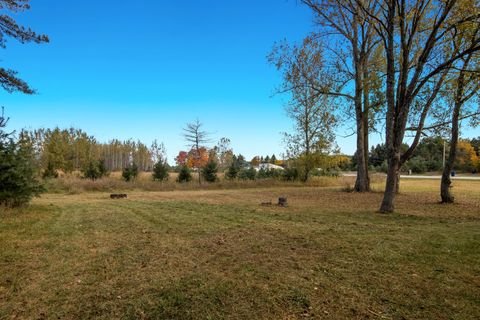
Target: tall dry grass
(74, 184)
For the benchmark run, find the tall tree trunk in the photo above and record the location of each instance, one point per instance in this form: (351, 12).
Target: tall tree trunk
(362, 183)
(392, 185)
(393, 153)
(445, 193)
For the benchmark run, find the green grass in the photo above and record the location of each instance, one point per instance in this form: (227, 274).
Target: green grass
(219, 255)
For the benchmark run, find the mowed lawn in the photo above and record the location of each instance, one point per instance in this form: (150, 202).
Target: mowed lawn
(219, 254)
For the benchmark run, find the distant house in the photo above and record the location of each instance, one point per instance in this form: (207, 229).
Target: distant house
(268, 166)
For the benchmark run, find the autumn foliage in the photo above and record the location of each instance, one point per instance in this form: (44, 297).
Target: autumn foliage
(192, 159)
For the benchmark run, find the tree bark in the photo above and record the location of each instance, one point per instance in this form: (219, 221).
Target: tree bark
(362, 183)
(445, 193)
(391, 186)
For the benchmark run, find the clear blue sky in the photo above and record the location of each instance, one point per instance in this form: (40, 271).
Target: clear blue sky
(142, 69)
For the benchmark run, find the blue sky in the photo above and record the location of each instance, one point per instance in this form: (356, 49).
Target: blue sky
(142, 69)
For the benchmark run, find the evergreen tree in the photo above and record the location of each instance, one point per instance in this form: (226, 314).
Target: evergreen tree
(91, 171)
(273, 159)
(18, 183)
(247, 174)
(130, 173)
(241, 162)
(102, 168)
(209, 172)
(184, 175)
(233, 169)
(160, 171)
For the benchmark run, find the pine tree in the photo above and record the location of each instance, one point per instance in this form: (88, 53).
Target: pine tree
(209, 172)
(91, 171)
(184, 175)
(130, 172)
(247, 174)
(273, 159)
(160, 171)
(233, 170)
(18, 183)
(102, 168)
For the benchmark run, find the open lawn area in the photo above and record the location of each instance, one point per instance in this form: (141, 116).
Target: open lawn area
(219, 254)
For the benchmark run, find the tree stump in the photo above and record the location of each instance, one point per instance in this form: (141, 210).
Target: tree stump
(282, 202)
(118, 196)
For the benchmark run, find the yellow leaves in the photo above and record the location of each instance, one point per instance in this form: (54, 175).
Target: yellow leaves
(466, 155)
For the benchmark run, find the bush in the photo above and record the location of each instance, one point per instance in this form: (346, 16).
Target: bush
(184, 175)
(290, 174)
(130, 173)
(50, 172)
(331, 172)
(209, 172)
(268, 173)
(18, 183)
(417, 165)
(160, 171)
(247, 174)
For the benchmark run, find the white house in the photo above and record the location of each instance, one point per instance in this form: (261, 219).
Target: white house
(268, 166)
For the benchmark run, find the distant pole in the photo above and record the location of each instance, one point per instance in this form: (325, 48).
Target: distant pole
(444, 153)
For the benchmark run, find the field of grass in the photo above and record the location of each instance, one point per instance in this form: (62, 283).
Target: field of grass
(219, 254)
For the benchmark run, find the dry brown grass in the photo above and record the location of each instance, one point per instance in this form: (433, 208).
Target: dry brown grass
(218, 254)
(73, 184)
(417, 197)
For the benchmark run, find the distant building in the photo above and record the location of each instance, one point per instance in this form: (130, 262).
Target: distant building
(268, 166)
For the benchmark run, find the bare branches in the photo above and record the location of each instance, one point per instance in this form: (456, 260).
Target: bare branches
(194, 134)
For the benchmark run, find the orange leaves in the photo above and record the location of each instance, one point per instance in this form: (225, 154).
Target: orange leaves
(193, 159)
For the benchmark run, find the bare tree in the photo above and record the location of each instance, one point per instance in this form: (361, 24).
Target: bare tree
(196, 138)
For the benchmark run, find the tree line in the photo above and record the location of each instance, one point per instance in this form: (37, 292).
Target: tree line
(73, 149)
(430, 156)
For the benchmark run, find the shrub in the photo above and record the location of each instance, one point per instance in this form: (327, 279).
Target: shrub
(268, 173)
(130, 173)
(184, 175)
(417, 165)
(290, 174)
(331, 172)
(209, 172)
(18, 183)
(160, 171)
(50, 172)
(247, 174)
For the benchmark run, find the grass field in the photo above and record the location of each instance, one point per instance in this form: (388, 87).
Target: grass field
(218, 254)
